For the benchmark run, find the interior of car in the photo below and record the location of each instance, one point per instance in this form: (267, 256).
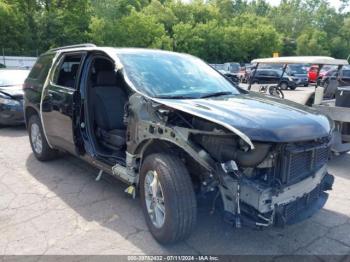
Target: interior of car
(107, 97)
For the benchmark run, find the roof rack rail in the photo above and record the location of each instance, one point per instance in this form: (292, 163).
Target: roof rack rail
(72, 46)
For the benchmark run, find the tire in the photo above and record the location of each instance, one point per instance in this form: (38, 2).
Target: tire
(284, 85)
(306, 85)
(293, 88)
(43, 153)
(179, 199)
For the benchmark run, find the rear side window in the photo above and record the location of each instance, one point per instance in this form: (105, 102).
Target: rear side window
(67, 71)
(41, 68)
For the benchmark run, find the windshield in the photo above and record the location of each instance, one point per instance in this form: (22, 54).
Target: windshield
(172, 75)
(297, 70)
(12, 77)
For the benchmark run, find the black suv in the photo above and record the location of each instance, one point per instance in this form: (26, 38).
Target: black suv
(272, 76)
(174, 129)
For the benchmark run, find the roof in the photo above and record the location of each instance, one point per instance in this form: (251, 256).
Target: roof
(320, 60)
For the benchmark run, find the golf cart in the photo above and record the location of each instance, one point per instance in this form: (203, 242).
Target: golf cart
(333, 100)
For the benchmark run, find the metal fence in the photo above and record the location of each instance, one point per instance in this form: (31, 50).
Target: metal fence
(10, 58)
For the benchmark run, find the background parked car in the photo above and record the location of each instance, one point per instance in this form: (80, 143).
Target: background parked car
(344, 77)
(244, 72)
(232, 67)
(11, 96)
(272, 76)
(299, 74)
(217, 66)
(233, 76)
(312, 74)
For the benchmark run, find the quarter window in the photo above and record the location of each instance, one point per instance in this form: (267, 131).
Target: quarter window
(66, 72)
(41, 68)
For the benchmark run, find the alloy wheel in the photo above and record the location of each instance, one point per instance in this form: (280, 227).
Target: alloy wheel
(154, 198)
(36, 138)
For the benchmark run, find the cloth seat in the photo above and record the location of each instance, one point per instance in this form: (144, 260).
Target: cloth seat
(109, 109)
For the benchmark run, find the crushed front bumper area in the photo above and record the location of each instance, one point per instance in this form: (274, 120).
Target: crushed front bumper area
(264, 207)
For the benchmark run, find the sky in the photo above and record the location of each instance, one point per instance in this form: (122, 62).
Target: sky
(334, 3)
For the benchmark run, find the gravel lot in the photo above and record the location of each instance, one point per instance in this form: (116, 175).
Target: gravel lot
(58, 208)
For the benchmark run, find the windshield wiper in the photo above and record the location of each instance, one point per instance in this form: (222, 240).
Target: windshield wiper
(222, 93)
(175, 97)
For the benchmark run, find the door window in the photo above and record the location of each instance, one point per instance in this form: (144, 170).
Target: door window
(262, 73)
(66, 72)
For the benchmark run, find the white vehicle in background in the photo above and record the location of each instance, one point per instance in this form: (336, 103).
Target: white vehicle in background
(333, 100)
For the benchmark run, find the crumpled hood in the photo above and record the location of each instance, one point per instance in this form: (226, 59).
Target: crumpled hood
(259, 117)
(13, 91)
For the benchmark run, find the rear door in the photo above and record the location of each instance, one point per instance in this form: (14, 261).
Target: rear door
(263, 77)
(275, 77)
(34, 83)
(57, 105)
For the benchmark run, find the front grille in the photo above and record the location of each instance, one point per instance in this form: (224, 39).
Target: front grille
(293, 209)
(299, 162)
(322, 155)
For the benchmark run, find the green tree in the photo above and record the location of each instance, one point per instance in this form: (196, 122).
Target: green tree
(313, 42)
(140, 30)
(64, 22)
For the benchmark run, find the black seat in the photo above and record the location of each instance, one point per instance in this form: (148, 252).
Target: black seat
(70, 81)
(108, 107)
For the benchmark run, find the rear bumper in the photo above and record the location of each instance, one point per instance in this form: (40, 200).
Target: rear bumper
(11, 114)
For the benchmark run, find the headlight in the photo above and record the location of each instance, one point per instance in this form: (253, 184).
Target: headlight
(6, 100)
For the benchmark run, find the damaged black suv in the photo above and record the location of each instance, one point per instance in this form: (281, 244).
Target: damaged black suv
(173, 128)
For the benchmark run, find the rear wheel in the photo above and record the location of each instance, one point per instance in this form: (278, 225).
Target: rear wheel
(40, 147)
(167, 198)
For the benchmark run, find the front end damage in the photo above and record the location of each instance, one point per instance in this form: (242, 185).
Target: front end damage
(261, 183)
(272, 184)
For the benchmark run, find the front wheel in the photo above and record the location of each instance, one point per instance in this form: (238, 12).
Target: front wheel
(167, 198)
(40, 147)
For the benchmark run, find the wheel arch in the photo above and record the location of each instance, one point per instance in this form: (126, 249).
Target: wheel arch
(153, 146)
(28, 112)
